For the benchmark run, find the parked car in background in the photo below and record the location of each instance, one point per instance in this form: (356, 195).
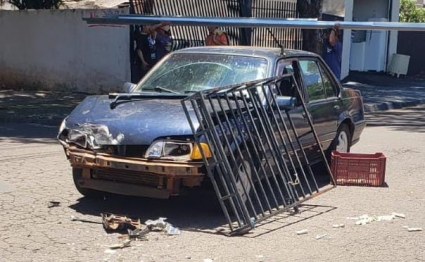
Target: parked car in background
(140, 143)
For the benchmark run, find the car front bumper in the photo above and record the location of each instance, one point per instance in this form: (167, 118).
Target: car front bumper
(133, 176)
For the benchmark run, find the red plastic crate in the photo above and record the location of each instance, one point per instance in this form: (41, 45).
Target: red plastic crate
(358, 169)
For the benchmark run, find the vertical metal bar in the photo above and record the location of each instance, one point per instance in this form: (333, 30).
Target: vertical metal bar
(265, 125)
(279, 132)
(290, 143)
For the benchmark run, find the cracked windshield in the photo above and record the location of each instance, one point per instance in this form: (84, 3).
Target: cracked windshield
(188, 73)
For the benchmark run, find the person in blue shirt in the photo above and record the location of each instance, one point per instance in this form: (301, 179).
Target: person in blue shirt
(333, 50)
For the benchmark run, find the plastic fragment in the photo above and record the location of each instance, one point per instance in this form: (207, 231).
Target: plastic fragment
(172, 230)
(158, 223)
(320, 236)
(413, 229)
(399, 215)
(385, 218)
(302, 232)
(338, 225)
(121, 245)
(110, 251)
(53, 204)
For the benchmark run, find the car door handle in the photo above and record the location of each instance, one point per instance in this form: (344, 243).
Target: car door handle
(337, 107)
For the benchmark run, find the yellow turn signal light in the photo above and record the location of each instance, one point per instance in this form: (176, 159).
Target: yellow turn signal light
(196, 153)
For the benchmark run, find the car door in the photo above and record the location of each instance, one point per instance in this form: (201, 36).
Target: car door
(287, 87)
(321, 108)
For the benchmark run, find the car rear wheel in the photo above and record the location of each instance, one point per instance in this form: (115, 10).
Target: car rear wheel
(341, 143)
(77, 174)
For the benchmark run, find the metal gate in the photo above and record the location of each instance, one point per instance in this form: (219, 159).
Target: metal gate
(187, 36)
(255, 158)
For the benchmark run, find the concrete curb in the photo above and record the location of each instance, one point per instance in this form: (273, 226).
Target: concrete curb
(396, 104)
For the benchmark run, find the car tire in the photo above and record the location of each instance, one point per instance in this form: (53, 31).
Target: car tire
(242, 181)
(77, 174)
(341, 143)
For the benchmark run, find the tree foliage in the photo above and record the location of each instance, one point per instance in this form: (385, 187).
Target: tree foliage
(36, 4)
(409, 12)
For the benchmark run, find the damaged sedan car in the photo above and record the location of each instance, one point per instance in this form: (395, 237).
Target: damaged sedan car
(140, 142)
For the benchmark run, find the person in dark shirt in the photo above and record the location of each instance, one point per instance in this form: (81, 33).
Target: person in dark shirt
(146, 51)
(333, 50)
(163, 39)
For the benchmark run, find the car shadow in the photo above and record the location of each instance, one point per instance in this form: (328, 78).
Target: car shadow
(198, 211)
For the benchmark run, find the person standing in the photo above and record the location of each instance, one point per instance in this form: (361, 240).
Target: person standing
(145, 51)
(333, 50)
(163, 41)
(216, 37)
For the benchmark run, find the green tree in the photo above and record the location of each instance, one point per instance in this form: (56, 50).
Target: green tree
(36, 4)
(310, 9)
(409, 12)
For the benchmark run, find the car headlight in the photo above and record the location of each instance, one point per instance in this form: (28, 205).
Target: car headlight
(176, 151)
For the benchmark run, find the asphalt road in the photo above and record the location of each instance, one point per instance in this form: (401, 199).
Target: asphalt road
(34, 171)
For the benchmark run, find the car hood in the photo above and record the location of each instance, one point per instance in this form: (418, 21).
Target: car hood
(136, 122)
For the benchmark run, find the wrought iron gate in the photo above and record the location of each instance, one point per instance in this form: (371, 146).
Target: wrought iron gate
(255, 157)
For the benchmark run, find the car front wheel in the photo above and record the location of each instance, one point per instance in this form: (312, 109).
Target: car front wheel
(77, 174)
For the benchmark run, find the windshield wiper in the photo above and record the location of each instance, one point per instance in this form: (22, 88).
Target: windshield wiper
(124, 96)
(160, 89)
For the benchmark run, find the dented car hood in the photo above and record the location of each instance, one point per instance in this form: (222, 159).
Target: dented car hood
(135, 122)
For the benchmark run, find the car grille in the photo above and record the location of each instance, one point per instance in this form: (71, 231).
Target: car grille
(124, 150)
(128, 176)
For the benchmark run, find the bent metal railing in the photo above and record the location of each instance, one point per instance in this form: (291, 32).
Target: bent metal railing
(256, 158)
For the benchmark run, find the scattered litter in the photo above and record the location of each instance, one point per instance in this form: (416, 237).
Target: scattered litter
(302, 232)
(172, 230)
(208, 260)
(399, 215)
(366, 219)
(320, 236)
(156, 224)
(74, 218)
(338, 225)
(124, 244)
(110, 251)
(118, 222)
(138, 233)
(53, 204)
(161, 225)
(385, 218)
(413, 229)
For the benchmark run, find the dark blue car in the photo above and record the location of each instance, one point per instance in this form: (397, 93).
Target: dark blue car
(140, 142)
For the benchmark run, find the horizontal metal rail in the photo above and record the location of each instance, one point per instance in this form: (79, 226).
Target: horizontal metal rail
(253, 22)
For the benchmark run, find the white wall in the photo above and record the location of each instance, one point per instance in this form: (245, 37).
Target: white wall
(365, 9)
(56, 49)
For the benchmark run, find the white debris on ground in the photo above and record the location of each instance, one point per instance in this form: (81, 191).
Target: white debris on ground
(302, 232)
(413, 229)
(366, 219)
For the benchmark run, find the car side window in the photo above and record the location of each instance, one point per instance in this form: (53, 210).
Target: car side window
(329, 88)
(312, 79)
(286, 87)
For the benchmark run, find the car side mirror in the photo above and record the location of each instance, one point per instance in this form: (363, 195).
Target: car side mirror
(286, 103)
(129, 87)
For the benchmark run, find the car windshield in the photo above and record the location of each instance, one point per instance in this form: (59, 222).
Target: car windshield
(192, 72)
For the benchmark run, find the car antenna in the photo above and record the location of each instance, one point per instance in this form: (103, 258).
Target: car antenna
(282, 48)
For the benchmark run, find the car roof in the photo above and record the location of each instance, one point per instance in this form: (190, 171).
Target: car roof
(266, 52)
